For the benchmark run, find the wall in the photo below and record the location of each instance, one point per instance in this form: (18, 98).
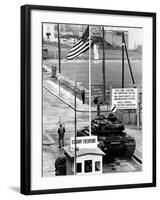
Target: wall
(10, 101)
(92, 157)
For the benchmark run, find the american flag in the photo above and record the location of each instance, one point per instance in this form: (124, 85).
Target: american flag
(81, 46)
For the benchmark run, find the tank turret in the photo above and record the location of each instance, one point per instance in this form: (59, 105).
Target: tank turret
(112, 138)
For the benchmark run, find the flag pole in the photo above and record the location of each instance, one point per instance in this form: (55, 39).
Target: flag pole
(103, 65)
(75, 120)
(59, 54)
(90, 81)
(123, 44)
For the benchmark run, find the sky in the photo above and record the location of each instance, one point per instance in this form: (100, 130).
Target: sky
(135, 35)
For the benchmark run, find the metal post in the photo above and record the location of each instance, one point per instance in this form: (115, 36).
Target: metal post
(103, 65)
(139, 106)
(59, 49)
(90, 81)
(59, 55)
(75, 120)
(110, 97)
(129, 63)
(138, 109)
(123, 44)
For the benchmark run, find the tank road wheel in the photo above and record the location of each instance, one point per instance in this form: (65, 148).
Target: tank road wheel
(129, 150)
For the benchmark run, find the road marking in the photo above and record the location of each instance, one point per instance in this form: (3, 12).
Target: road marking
(50, 138)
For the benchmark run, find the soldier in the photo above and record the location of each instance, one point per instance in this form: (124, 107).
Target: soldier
(98, 102)
(54, 71)
(83, 96)
(61, 131)
(98, 108)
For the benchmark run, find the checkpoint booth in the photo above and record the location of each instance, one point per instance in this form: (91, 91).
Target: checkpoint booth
(89, 158)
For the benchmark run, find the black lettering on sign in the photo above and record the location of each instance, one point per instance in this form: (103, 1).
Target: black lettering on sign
(86, 141)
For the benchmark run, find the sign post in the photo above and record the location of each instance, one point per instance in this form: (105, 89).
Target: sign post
(110, 97)
(138, 109)
(75, 136)
(124, 98)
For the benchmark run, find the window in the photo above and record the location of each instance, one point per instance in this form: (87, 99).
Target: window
(97, 166)
(87, 166)
(79, 167)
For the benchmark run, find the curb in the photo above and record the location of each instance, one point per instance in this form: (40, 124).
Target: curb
(68, 103)
(137, 159)
(63, 100)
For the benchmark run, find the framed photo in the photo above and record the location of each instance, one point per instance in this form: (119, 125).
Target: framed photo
(88, 99)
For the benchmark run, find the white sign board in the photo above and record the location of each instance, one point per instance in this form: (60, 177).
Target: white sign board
(89, 142)
(96, 52)
(124, 98)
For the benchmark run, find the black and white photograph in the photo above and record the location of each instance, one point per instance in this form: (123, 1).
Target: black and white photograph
(88, 99)
(92, 94)
(79, 100)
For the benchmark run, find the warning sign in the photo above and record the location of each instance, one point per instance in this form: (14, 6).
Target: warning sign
(124, 98)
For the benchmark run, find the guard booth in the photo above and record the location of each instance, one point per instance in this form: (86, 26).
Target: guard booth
(89, 158)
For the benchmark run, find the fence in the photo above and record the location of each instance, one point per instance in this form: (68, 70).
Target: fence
(129, 116)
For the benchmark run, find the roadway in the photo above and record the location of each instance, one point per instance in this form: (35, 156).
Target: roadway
(54, 110)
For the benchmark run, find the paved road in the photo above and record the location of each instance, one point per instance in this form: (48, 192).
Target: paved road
(55, 110)
(52, 109)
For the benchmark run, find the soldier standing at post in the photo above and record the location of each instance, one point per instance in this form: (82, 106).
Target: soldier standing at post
(98, 102)
(98, 107)
(83, 96)
(61, 131)
(54, 72)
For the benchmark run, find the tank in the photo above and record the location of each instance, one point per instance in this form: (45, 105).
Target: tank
(112, 138)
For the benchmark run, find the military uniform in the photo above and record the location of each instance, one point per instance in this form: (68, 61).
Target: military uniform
(61, 131)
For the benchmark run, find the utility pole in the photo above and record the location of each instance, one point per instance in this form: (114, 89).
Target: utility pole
(123, 44)
(75, 120)
(103, 64)
(59, 49)
(129, 64)
(90, 81)
(59, 54)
